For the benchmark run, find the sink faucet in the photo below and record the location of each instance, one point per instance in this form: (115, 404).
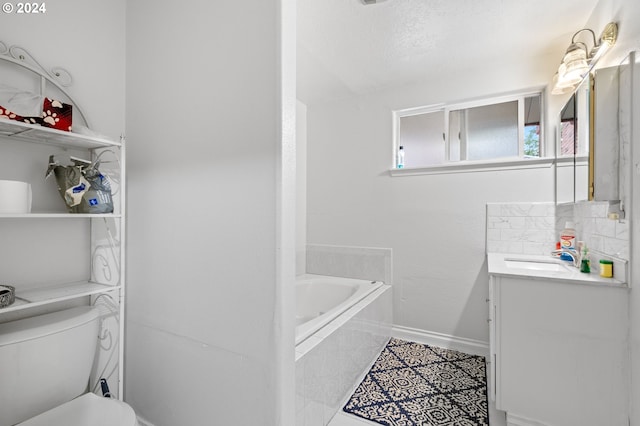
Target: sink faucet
(575, 255)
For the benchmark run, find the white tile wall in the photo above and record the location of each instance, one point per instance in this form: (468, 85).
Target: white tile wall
(351, 262)
(330, 363)
(601, 234)
(533, 228)
(521, 228)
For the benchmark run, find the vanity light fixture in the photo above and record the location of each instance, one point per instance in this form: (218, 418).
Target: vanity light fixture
(578, 60)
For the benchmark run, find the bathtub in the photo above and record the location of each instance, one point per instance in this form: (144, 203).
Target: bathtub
(320, 299)
(343, 324)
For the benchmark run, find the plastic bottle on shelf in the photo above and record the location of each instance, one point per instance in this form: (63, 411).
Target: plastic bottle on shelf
(568, 236)
(400, 157)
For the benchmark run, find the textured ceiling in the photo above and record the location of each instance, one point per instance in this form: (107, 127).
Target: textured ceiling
(347, 47)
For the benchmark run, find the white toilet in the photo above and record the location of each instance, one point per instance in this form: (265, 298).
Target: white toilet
(45, 363)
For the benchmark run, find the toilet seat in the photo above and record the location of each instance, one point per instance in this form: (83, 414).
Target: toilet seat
(88, 409)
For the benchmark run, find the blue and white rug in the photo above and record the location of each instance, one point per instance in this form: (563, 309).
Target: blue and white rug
(415, 384)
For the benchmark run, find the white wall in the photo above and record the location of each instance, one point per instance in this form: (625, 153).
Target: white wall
(86, 38)
(207, 335)
(634, 302)
(434, 224)
(301, 187)
(627, 14)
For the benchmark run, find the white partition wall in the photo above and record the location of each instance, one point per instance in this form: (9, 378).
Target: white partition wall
(206, 112)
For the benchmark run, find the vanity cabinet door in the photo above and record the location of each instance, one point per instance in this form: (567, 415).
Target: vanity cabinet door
(491, 362)
(560, 352)
(606, 150)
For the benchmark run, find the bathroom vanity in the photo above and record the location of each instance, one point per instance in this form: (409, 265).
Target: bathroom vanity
(558, 343)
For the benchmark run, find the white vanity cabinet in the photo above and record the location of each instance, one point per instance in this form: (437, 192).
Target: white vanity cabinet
(558, 350)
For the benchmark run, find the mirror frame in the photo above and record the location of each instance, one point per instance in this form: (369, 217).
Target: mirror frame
(583, 106)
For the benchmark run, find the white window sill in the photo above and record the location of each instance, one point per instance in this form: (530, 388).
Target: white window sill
(476, 166)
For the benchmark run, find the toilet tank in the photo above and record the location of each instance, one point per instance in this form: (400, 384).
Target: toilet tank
(45, 361)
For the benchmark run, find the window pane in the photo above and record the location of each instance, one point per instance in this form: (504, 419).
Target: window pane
(532, 108)
(568, 128)
(532, 140)
(567, 138)
(421, 139)
(492, 131)
(455, 133)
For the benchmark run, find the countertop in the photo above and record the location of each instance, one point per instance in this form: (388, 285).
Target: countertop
(497, 265)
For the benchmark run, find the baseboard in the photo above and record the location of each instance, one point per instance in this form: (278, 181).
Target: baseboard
(462, 344)
(143, 422)
(515, 420)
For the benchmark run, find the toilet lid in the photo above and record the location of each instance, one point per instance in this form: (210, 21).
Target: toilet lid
(88, 409)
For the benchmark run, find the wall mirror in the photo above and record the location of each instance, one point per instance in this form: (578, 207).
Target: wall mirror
(573, 145)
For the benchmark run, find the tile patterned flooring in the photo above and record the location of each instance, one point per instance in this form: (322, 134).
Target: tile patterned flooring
(496, 418)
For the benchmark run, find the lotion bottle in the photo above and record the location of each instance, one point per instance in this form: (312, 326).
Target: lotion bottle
(400, 157)
(568, 236)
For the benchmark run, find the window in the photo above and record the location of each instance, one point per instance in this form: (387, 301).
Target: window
(494, 129)
(422, 135)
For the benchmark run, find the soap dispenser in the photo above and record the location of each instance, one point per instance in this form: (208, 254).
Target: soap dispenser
(585, 264)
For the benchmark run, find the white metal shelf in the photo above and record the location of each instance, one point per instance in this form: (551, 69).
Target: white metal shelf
(44, 135)
(59, 215)
(107, 242)
(29, 298)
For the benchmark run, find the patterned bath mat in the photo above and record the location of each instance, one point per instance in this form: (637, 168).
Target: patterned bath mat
(415, 384)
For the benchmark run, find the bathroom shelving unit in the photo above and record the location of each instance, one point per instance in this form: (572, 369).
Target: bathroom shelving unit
(95, 285)
(106, 232)
(60, 292)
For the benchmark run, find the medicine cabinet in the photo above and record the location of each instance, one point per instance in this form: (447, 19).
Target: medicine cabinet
(588, 142)
(573, 146)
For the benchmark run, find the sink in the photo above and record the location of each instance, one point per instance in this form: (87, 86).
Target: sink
(535, 265)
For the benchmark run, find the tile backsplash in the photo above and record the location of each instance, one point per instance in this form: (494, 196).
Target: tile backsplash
(533, 228)
(610, 237)
(521, 228)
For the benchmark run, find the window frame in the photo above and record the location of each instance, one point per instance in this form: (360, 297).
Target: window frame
(454, 166)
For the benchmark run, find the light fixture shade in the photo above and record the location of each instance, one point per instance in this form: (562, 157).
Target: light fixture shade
(575, 61)
(561, 84)
(561, 87)
(566, 79)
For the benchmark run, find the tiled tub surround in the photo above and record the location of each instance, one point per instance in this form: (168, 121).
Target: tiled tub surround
(352, 262)
(331, 362)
